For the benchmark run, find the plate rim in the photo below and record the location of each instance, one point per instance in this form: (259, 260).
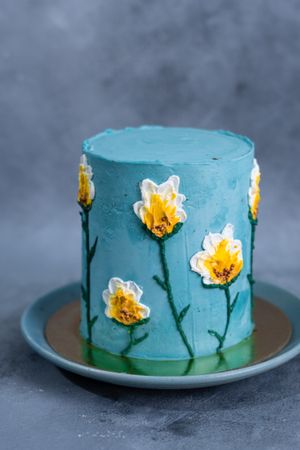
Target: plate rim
(149, 381)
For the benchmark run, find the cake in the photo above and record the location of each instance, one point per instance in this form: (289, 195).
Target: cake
(168, 225)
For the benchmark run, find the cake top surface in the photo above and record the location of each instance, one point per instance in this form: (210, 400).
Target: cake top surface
(166, 145)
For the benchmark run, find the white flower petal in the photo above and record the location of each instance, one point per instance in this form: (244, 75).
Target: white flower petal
(170, 187)
(107, 312)
(83, 160)
(145, 311)
(143, 212)
(87, 168)
(114, 284)
(251, 196)
(92, 190)
(166, 190)
(137, 206)
(197, 263)
(203, 257)
(236, 246)
(135, 289)
(148, 187)
(254, 183)
(175, 181)
(211, 242)
(105, 295)
(181, 214)
(89, 171)
(256, 170)
(128, 286)
(180, 198)
(193, 262)
(209, 281)
(228, 231)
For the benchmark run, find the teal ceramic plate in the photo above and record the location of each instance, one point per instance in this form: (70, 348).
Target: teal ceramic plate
(54, 318)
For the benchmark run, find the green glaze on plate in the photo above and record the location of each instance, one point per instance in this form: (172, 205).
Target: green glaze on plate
(235, 357)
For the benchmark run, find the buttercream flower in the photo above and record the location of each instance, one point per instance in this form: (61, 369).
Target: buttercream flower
(161, 211)
(254, 190)
(254, 200)
(86, 188)
(122, 299)
(161, 206)
(221, 260)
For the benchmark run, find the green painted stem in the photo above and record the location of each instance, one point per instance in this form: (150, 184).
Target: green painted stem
(229, 308)
(90, 356)
(88, 274)
(168, 289)
(228, 314)
(222, 363)
(189, 366)
(250, 277)
(131, 342)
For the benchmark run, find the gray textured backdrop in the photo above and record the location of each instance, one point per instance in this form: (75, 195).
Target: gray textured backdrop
(72, 68)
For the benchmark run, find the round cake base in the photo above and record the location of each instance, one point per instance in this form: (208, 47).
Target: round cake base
(51, 327)
(272, 333)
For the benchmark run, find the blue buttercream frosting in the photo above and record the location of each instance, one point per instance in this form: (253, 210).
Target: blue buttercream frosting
(214, 169)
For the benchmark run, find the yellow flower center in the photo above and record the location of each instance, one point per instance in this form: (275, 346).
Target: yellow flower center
(256, 199)
(84, 192)
(224, 265)
(124, 308)
(160, 218)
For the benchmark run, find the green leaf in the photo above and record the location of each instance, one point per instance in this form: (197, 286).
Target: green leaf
(183, 313)
(133, 325)
(250, 279)
(210, 286)
(220, 286)
(175, 231)
(252, 220)
(93, 250)
(161, 283)
(92, 321)
(234, 302)
(216, 335)
(83, 293)
(120, 324)
(166, 236)
(141, 322)
(140, 339)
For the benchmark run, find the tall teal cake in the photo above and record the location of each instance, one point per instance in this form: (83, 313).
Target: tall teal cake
(168, 224)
